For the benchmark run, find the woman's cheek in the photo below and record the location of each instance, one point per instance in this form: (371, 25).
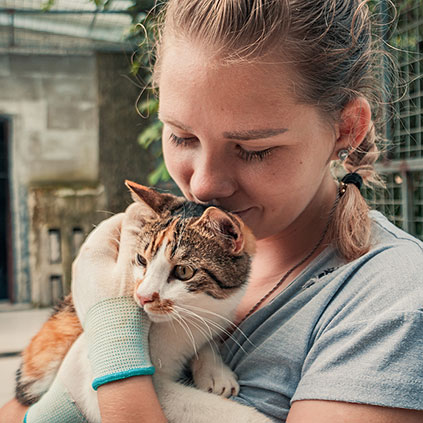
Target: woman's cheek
(177, 163)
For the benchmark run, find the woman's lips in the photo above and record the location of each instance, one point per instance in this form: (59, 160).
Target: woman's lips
(242, 213)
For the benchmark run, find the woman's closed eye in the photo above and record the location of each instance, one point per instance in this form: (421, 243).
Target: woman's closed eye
(247, 155)
(259, 155)
(180, 141)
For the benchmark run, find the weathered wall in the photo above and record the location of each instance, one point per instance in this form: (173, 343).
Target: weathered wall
(51, 102)
(120, 155)
(61, 217)
(72, 144)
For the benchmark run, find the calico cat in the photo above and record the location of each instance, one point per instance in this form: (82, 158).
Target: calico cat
(190, 270)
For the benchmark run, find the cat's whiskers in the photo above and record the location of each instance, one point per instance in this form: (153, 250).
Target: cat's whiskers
(207, 331)
(208, 336)
(219, 330)
(187, 330)
(225, 330)
(173, 326)
(208, 339)
(214, 328)
(191, 313)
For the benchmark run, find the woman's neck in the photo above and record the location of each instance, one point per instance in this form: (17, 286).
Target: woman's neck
(278, 254)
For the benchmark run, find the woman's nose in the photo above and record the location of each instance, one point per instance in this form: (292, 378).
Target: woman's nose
(212, 179)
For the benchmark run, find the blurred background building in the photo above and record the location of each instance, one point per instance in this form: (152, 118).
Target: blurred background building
(68, 137)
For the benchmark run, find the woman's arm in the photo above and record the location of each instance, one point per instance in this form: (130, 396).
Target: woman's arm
(13, 412)
(120, 401)
(127, 400)
(318, 411)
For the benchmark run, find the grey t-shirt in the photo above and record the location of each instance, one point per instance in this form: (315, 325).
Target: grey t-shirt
(340, 331)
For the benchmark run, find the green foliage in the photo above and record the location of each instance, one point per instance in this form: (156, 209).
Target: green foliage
(47, 5)
(144, 20)
(151, 134)
(150, 138)
(160, 174)
(142, 64)
(149, 107)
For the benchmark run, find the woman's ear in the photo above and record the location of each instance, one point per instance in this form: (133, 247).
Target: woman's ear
(354, 124)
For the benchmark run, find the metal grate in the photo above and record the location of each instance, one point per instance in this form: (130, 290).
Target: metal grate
(69, 26)
(389, 201)
(402, 201)
(406, 128)
(417, 185)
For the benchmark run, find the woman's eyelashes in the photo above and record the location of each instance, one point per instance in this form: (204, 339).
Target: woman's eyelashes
(181, 141)
(248, 156)
(245, 155)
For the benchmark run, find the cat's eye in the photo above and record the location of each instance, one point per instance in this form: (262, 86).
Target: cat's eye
(141, 261)
(183, 272)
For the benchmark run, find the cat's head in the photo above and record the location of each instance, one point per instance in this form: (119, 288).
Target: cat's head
(189, 257)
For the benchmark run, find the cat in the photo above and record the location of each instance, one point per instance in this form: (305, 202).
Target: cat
(190, 268)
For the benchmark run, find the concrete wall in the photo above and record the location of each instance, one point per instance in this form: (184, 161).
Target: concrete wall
(55, 105)
(60, 217)
(51, 102)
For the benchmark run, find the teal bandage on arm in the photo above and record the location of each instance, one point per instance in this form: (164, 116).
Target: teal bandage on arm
(117, 334)
(56, 405)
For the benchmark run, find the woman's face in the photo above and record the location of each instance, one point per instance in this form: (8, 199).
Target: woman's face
(235, 135)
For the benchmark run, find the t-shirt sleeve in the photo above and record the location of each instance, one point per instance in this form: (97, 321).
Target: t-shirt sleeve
(375, 361)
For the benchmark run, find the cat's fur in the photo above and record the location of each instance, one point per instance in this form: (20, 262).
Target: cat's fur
(214, 249)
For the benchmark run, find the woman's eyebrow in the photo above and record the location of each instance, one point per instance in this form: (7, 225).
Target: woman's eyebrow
(250, 134)
(176, 123)
(254, 134)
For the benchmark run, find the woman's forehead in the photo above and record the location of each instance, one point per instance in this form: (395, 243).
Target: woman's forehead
(194, 64)
(191, 84)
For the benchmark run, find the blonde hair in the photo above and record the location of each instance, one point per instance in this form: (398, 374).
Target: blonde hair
(330, 41)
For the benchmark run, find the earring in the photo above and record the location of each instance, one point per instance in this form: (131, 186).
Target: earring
(343, 154)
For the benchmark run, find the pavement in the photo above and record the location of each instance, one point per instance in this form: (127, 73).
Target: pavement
(18, 324)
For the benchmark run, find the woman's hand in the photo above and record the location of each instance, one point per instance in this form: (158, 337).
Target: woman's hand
(102, 269)
(116, 328)
(69, 398)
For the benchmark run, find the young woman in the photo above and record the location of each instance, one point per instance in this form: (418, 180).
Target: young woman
(258, 99)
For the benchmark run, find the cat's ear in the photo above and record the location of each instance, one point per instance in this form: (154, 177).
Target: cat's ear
(155, 202)
(231, 228)
(146, 196)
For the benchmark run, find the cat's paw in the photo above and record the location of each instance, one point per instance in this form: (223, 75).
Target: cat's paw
(216, 378)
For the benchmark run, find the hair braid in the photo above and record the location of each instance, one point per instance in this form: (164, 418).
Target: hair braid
(351, 225)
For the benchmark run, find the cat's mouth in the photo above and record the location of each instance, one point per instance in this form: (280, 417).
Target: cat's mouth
(159, 310)
(158, 315)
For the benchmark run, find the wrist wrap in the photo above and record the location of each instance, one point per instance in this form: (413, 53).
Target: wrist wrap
(117, 333)
(56, 405)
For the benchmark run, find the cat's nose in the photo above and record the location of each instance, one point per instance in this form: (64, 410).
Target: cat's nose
(144, 299)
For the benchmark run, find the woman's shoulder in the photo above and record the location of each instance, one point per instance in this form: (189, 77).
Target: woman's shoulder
(388, 278)
(393, 252)
(386, 234)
